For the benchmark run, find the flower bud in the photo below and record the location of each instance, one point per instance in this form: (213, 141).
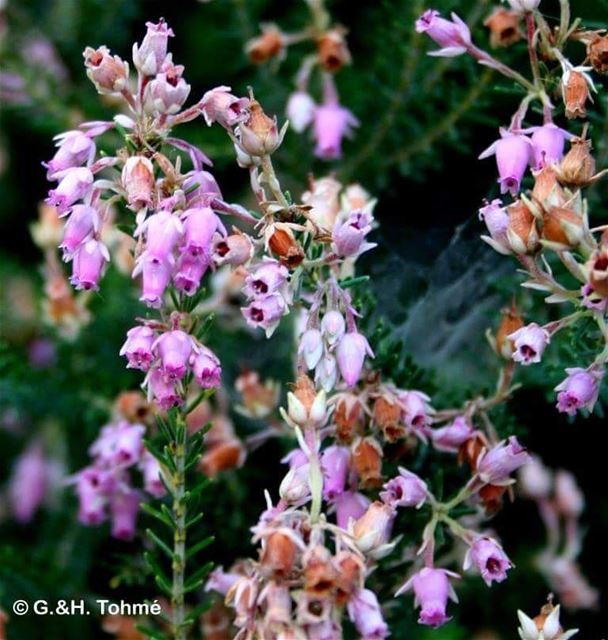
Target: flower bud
(74, 149)
(108, 73)
(495, 465)
(138, 348)
(207, 368)
(174, 350)
(522, 233)
(270, 44)
(575, 93)
(311, 347)
(451, 437)
(333, 326)
(547, 145)
(372, 530)
(563, 226)
(348, 416)
(124, 507)
(300, 110)
(149, 56)
(510, 322)
(367, 461)
(535, 480)
(138, 181)
(88, 265)
(454, 37)
(332, 50)
(351, 352)
(597, 52)
(259, 135)
(74, 184)
(387, 416)
(503, 26)
(497, 221)
(547, 191)
(524, 6)
(283, 244)
(577, 169)
(569, 499)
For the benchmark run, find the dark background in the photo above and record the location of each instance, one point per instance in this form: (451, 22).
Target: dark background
(438, 286)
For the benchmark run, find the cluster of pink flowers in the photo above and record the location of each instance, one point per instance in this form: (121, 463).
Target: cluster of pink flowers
(168, 356)
(106, 487)
(553, 216)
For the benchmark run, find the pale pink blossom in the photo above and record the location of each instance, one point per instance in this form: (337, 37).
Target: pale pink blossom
(350, 354)
(405, 490)
(453, 36)
(513, 152)
(529, 342)
(88, 264)
(74, 184)
(487, 556)
(579, 390)
(149, 56)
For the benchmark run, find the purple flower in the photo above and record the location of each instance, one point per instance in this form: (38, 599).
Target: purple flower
(405, 490)
(366, 614)
(91, 496)
(453, 36)
(207, 369)
(168, 91)
(548, 145)
(349, 235)
(334, 464)
(200, 225)
(74, 184)
(138, 348)
(350, 353)
(219, 105)
(489, 558)
(512, 152)
(149, 56)
(74, 149)
(496, 465)
(265, 312)
(350, 506)
(311, 347)
(82, 223)
(432, 590)
(28, 483)
(451, 437)
(497, 221)
(156, 274)
(199, 187)
(269, 276)
(569, 499)
(300, 110)
(190, 270)
(174, 349)
(150, 469)
(416, 410)
(530, 342)
(163, 230)
(579, 390)
(332, 122)
(88, 264)
(128, 445)
(326, 373)
(333, 326)
(124, 507)
(162, 389)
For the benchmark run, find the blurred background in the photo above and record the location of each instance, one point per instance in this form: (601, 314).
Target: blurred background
(437, 287)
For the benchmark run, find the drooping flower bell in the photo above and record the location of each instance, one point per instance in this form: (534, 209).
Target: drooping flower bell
(351, 352)
(490, 560)
(512, 151)
(529, 342)
(453, 36)
(579, 390)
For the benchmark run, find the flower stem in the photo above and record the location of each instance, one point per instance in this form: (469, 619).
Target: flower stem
(179, 534)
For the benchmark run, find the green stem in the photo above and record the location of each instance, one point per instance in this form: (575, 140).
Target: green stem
(271, 179)
(179, 536)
